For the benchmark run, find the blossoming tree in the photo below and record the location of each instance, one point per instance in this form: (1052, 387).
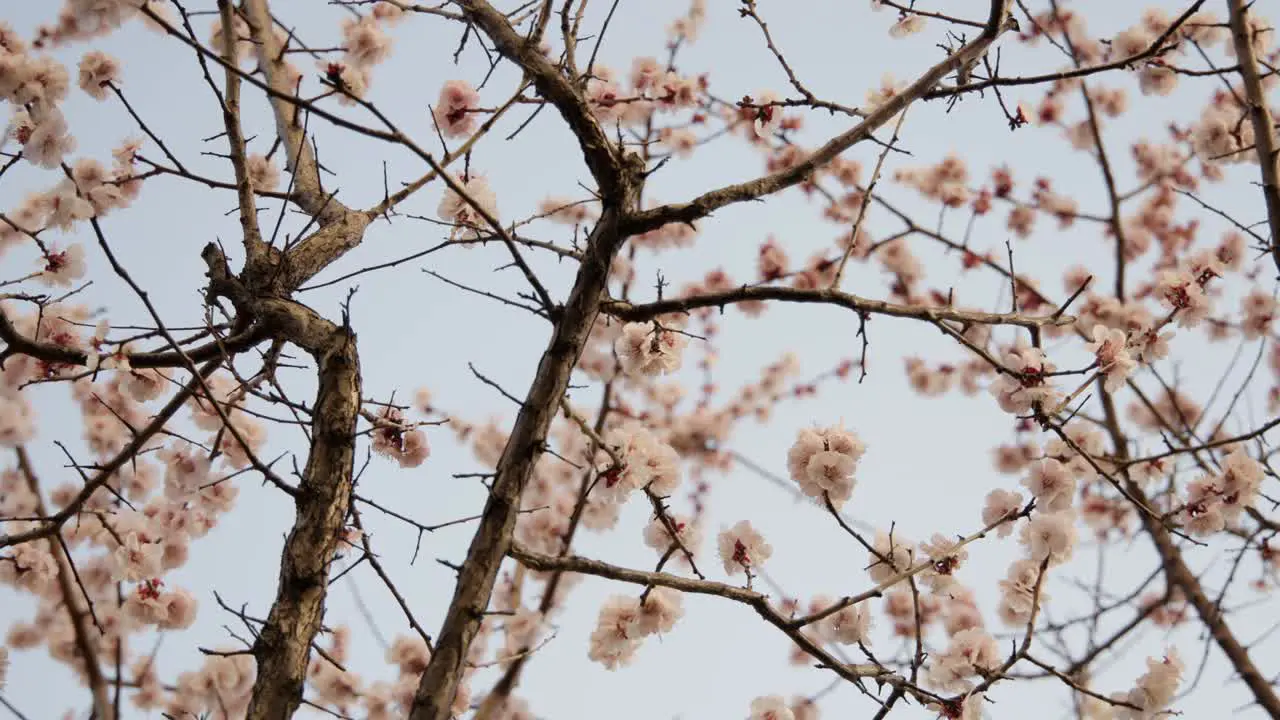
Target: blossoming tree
(1099, 309)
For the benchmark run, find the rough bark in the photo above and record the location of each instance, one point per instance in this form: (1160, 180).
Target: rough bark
(283, 646)
(493, 537)
(262, 292)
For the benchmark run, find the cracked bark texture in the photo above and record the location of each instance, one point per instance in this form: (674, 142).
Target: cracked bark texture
(283, 646)
(262, 292)
(619, 179)
(492, 539)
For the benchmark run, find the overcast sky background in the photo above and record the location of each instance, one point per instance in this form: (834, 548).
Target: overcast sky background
(927, 468)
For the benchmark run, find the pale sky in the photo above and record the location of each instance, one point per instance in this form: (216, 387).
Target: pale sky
(927, 467)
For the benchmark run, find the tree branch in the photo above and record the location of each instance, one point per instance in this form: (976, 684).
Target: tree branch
(324, 495)
(705, 204)
(1264, 137)
(602, 157)
(479, 572)
(647, 311)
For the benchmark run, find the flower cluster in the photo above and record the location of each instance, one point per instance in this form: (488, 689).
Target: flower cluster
(1154, 691)
(625, 622)
(121, 531)
(466, 208)
(1216, 501)
(398, 440)
(366, 44)
(1025, 381)
(822, 462)
(651, 348)
(774, 707)
(972, 652)
(646, 463)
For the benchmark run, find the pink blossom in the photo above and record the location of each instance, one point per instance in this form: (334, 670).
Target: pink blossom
(388, 12)
(658, 537)
(742, 548)
(17, 419)
(65, 208)
(410, 654)
(947, 556)
(970, 652)
(1051, 485)
(400, 441)
(1181, 292)
(660, 611)
(1133, 41)
(454, 109)
(848, 626)
(218, 497)
(1151, 345)
(618, 633)
(242, 49)
(33, 567)
(1001, 504)
(1242, 478)
(350, 80)
(681, 141)
(772, 707)
(98, 70)
(646, 463)
(565, 210)
(603, 94)
(186, 470)
(264, 175)
(1110, 346)
(960, 610)
(766, 115)
(1231, 250)
(1021, 221)
(878, 96)
(1027, 384)
(688, 26)
(178, 610)
(651, 348)
(94, 183)
(673, 92)
(1155, 690)
(461, 211)
(822, 462)
(1050, 535)
(45, 83)
(908, 24)
(136, 559)
(1259, 310)
(1011, 459)
(366, 43)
